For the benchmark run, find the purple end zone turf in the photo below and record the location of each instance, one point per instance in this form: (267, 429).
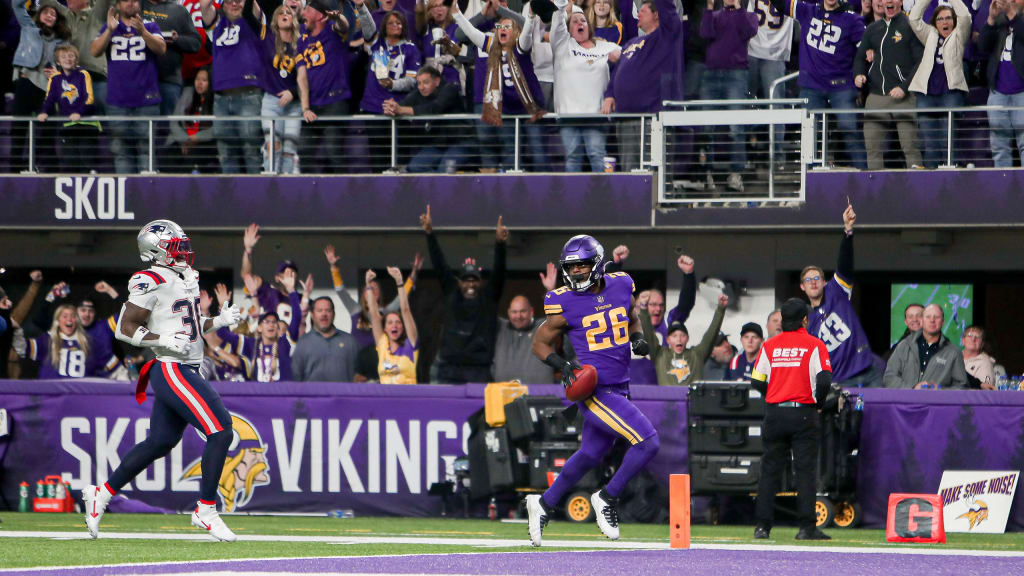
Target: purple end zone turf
(667, 562)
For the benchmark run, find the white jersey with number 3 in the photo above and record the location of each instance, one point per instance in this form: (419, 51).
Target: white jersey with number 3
(174, 308)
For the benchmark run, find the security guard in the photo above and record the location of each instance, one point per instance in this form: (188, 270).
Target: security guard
(794, 374)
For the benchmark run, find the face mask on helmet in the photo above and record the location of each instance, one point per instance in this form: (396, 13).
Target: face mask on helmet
(179, 250)
(579, 282)
(578, 250)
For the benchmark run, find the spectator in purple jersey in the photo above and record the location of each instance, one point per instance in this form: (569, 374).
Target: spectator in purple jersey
(833, 318)
(439, 146)
(394, 60)
(435, 24)
(728, 31)
(940, 81)
(197, 149)
(84, 19)
(132, 48)
(649, 72)
(101, 334)
(269, 352)
(281, 97)
(1003, 39)
(603, 22)
(829, 38)
(179, 32)
(236, 37)
(62, 352)
(33, 65)
(270, 297)
(69, 93)
(324, 84)
(509, 85)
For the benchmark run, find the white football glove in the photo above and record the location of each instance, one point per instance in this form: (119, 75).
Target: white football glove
(229, 316)
(174, 343)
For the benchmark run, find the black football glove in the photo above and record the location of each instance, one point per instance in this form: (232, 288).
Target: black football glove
(639, 345)
(566, 367)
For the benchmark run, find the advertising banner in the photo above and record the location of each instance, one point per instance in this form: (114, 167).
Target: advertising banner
(977, 501)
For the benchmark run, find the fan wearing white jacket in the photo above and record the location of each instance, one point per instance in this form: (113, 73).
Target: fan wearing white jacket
(581, 75)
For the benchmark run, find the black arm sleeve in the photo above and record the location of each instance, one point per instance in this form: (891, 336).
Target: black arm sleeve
(687, 297)
(845, 264)
(760, 385)
(497, 283)
(440, 266)
(822, 384)
(612, 266)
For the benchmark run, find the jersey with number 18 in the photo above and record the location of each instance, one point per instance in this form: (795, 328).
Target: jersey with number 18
(173, 306)
(598, 325)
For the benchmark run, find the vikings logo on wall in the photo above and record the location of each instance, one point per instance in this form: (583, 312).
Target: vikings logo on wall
(245, 468)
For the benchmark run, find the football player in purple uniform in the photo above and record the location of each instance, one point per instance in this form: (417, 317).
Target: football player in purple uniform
(833, 318)
(596, 309)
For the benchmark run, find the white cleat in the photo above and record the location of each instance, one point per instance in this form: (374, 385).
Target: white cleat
(607, 512)
(207, 518)
(96, 500)
(538, 517)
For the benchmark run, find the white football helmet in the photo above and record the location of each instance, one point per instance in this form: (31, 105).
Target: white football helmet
(164, 242)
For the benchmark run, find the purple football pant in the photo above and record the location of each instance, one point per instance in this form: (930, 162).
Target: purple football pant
(607, 415)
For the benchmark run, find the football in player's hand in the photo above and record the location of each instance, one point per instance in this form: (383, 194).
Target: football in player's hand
(583, 387)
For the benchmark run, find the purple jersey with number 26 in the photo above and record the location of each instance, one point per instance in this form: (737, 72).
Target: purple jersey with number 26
(598, 325)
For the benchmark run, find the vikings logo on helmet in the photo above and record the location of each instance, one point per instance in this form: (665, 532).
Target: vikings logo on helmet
(977, 514)
(586, 250)
(244, 469)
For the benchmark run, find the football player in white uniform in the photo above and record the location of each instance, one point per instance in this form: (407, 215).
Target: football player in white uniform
(162, 313)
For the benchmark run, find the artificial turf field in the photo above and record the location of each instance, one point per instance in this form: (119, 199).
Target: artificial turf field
(51, 540)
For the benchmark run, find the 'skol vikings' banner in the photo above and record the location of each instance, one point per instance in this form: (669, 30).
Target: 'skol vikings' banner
(377, 449)
(372, 448)
(977, 501)
(364, 202)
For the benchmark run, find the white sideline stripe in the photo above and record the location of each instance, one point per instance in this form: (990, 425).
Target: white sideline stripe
(524, 542)
(196, 407)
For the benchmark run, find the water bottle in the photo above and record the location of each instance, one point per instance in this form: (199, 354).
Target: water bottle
(492, 509)
(23, 497)
(133, 370)
(858, 405)
(341, 514)
(1003, 382)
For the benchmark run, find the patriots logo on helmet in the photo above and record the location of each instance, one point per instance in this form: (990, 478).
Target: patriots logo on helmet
(157, 228)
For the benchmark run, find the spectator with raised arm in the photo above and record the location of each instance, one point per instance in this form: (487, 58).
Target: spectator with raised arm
(833, 318)
(439, 146)
(1002, 38)
(436, 28)
(728, 30)
(899, 52)
(940, 81)
(394, 60)
(197, 149)
(581, 77)
(830, 34)
(362, 328)
(270, 297)
(395, 334)
(470, 310)
(236, 43)
(132, 48)
(65, 350)
(33, 65)
(508, 85)
(220, 359)
(84, 19)
(649, 72)
(675, 364)
(324, 83)
(270, 352)
(641, 368)
(69, 93)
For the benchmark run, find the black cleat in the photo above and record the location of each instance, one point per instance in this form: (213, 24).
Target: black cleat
(761, 533)
(812, 534)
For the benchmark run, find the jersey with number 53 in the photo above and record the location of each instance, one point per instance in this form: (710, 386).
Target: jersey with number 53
(828, 44)
(173, 308)
(598, 325)
(835, 322)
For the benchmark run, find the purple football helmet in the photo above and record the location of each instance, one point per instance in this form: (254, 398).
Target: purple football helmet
(584, 249)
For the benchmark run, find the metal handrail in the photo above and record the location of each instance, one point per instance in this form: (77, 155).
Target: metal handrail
(741, 102)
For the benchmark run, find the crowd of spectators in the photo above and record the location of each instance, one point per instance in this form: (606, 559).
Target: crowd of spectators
(299, 63)
(289, 333)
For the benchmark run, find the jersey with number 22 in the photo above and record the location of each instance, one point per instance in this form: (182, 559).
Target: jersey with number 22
(598, 325)
(828, 46)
